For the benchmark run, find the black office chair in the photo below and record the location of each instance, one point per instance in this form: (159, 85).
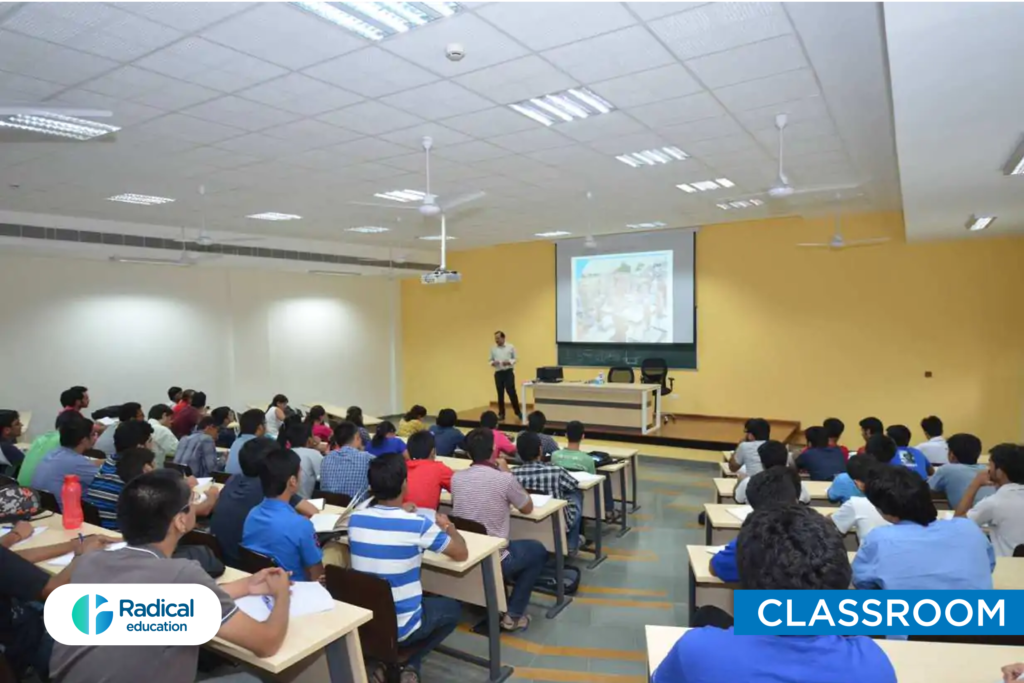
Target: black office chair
(1019, 551)
(620, 375)
(655, 371)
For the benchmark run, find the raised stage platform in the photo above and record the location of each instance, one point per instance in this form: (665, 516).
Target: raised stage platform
(703, 432)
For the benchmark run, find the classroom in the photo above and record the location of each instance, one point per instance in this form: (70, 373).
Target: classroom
(505, 341)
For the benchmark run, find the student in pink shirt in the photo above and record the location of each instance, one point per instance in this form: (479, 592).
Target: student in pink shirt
(317, 421)
(502, 444)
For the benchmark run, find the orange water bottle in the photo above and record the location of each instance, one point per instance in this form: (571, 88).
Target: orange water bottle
(71, 502)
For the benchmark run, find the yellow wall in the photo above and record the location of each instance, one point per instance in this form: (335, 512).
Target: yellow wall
(782, 332)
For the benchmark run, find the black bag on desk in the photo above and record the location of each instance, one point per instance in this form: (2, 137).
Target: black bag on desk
(601, 458)
(548, 583)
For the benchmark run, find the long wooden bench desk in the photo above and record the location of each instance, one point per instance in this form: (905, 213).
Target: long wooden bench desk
(627, 479)
(339, 413)
(726, 486)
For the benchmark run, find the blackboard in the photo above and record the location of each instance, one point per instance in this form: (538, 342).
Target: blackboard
(679, 356)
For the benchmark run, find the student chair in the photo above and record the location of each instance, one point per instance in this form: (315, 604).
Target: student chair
(205, 538)
(184, 469)
(90, 514)
(379, 636)
(221, 477)
(620, 375)
(48, 501)
(1019, 551)
(463, 524)
(251, 561)
(655, 371)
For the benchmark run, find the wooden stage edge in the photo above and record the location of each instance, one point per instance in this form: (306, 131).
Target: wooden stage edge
(700, 432)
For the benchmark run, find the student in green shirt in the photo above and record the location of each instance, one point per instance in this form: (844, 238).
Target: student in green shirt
(574, 459)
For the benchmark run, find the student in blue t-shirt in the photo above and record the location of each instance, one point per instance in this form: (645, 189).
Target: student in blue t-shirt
(773, 486)
(906, 455)
(821, 461)
(773, 555)
(384, 441)
(850, 484)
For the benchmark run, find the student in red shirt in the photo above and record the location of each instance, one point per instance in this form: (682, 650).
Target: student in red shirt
(869, 427)
(834, 428)
(184, 401)
(426, 476)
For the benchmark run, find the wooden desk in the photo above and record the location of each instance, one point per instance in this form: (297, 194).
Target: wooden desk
(593, 491)
(721, 526)
(724, 488)
(25, 416)
(914, 661)
(636, 407)
(706, 588)
(625, 453)
(476, 580)
(339, 413)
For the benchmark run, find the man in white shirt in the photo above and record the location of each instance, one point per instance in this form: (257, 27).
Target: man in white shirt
(859, 513)
(772, 454)
(503, 360)
(935, 448)
(1003, 511)
(164, 441)
(756, 432)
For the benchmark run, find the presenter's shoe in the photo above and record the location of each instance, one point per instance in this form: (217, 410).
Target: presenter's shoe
(501, 417)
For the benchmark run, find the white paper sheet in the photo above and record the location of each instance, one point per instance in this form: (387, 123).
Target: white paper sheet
(714, 549)
(740, 512)
(325, 521)
(307, 597)
(539, 499)
(318, 503)
(35, 532)
(585, 477)
(203, 481)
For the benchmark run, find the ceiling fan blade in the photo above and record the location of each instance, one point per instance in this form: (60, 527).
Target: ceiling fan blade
(464, 199)
(405, 207)
(867, 242)
(823, 188)
(815, 245)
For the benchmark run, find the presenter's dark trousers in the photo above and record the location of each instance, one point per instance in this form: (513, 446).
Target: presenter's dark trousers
(505, 380)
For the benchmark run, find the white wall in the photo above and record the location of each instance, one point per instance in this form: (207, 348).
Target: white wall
(128, 332)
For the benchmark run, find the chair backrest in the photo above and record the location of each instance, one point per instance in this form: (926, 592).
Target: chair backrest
(379, 636)
(90, 514)
(653, 371)
(184, 469)
(1019, 551)
(463, 524)
(201, 537)
(48, 501)
(252, 561)
(221, 477)
(620, 375)
(340, 499)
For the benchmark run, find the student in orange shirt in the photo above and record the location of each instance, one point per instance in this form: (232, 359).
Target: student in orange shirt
(426, 476)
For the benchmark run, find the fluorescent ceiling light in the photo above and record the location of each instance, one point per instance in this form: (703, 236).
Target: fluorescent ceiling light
(140, 199)
(740, 204)
(652, 157)
(378, 20)
(645, 226)
(553, 233)
(338, 273)
(151, 261)
(274, 216)
(706, 185)
(436, 238)
(59, 125)
(976, 223)
(1015, 166)
(368, 229)
(402, 195)
(570, 105)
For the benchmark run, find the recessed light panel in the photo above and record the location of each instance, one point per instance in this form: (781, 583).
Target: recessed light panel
(57, 124)
(378, 20)
(976, 223)
(436, 238)
(402, 195)
(653, 157)
(740, 204)
(368, 229)
(645, 226)
(706, 185)
(573, 104)
(553, 233)
(140, 199)
(274, 216)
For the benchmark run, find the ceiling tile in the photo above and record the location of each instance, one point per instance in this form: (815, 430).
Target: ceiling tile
(240, 113)
(540, 26)
(800, 131)
(438, 100)
(680, 110)
(792, 85)
(125, 113)
(188, 128)
(490, 122)
(371, 118)
(367, 149)
(265, 145)
(653, 10)
(485, 46)
(531, 140)
(371, 72)
(214, 66)
(44, 61)
(26, 88)
(285, 35)
(470, 152)
(808, 109)
(720, 26)
(734, 143)
(517, 80)
(309, 133)
(654, 85)
(629, 143)
(575, 156)
(750, 62)
(300, 94)
(706, 129)
(185, 16)
(610, 125)
(611, 55)
(413, 137)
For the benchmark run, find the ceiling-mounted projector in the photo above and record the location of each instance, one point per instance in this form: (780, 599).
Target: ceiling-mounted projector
(441, 277)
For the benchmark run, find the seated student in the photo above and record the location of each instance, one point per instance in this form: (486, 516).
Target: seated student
(772, 454)
(275, 529)
(427, 476)
(164, 441)
(869, 427)
(184, 401)
(128, 412)
(771, 487)
(251, 425)
(105, 488)
(11, 456)
(447, 437)
(296, 435)
(483, 493)
(834, 428)
(412, 422)
(223, 416)
(502, 444)
(755, 432)
(135, 462)
(388, 541)
(76, 437)
(154, 513)
(41, 447)
(935, 448)
(316, 418)
(1003, 511)
(550, 480)
(74, 400)
(535, 423)
(277, 411)
(574, 459)
(198, 450)
(354, 414)
(857, 512)
(241, 494)
(344, 469)
(772, 555)
(821, 461)
(174, 395)
(186, 419)
(916, 551)
(953, 478)
(907, 456)
(384, 441)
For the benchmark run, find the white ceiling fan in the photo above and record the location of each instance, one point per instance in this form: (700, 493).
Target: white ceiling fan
(204, 239)
(429, 205)
(185, 257)
(839, 242)
(782, 188)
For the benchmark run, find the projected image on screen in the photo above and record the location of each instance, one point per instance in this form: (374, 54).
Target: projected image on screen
(622, 298)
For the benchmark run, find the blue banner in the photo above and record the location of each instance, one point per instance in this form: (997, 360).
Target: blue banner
(867, 612)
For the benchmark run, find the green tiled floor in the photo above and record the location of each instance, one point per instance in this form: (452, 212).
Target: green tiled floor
(607, 641)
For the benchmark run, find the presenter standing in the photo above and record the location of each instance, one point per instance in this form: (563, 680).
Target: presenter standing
(503, 360)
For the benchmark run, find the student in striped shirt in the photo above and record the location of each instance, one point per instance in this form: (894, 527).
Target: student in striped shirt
(389, 542)
(105, 488)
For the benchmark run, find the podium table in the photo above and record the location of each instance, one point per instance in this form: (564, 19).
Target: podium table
(632, 407)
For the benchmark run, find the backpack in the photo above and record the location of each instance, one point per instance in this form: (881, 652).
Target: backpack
(17, 503)
(601, 458)
(548, 583)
